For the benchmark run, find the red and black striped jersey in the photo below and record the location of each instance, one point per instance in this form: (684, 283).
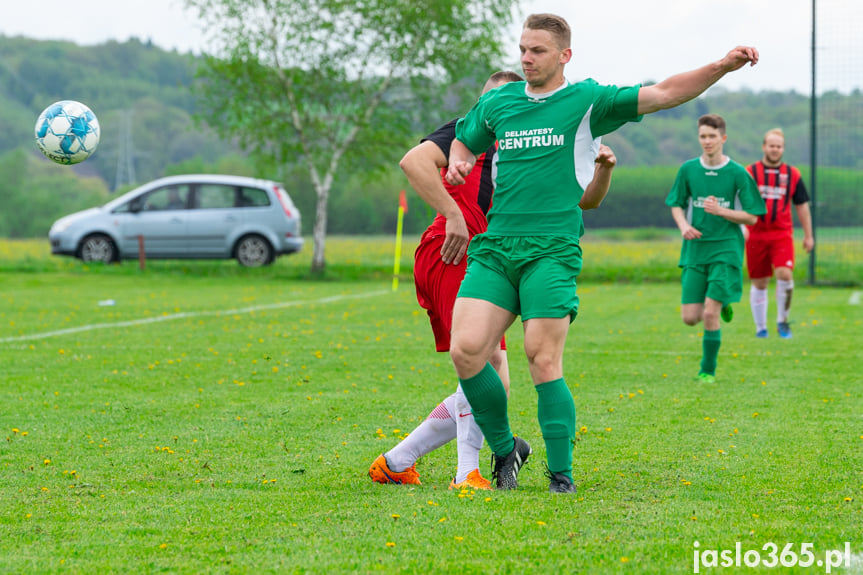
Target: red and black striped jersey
(474, 196)
(780, 187)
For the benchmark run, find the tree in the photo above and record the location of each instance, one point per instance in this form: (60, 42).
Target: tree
(328, 82)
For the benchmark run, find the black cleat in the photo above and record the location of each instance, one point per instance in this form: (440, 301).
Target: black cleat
(504, 470)
(559, 483)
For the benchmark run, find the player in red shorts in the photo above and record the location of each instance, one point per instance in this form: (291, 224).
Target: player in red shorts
(438, 271)
(770, 243)
(439, 266)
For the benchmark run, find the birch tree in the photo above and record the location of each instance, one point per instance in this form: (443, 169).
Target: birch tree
(317, 81)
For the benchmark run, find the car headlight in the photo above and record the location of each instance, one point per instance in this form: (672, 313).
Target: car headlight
(60, 227)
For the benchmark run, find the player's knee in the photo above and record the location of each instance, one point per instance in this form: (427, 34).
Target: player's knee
(761, 283)
(690, 318)
(465, 353)
(784, 274)
(496, 361)
(544, 362)
(710, 317)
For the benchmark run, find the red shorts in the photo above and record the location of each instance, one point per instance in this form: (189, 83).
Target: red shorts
(437, 285)
(764, 256)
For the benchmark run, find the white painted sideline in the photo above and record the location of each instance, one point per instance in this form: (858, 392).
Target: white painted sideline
(183, 315)
(855, 298)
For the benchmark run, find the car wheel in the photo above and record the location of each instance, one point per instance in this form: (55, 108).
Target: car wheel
(98, 248)
(254, 251)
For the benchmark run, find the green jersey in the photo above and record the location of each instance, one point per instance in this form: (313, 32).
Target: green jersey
(547, 144)
(733, 188)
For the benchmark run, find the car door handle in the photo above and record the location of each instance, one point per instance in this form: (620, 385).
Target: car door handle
(230, 219)
(176, 220)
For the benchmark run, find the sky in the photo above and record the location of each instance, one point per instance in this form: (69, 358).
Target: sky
(620, 42)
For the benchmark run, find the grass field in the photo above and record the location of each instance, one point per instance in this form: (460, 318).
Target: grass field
(221, 420)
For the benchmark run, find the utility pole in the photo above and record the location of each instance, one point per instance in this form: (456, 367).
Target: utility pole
(125, 173)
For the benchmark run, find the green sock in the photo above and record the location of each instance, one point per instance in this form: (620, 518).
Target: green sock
(556, 414)
(487, 398)
(710, 351)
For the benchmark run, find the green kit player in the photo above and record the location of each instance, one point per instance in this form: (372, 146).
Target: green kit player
(711, 197)
(527, 262)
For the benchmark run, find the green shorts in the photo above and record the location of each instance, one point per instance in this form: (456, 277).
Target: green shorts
(719, 281)
(531, 276)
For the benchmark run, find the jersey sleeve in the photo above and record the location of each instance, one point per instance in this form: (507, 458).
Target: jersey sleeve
(613, 107)
(443, 137)
(799, 193)
(678, 197)
(473, 130)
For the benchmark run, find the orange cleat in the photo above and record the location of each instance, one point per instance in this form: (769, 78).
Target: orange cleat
(381, 473)
(473, 481)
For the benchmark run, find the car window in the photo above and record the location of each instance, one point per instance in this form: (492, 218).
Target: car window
(215, 196)
(129, 206)
(172, 197)
(252, 197)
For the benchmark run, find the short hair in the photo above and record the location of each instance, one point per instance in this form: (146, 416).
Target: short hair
(500, 78)
(553, 24)
(714, 121)
(505, 76)
(774, 132)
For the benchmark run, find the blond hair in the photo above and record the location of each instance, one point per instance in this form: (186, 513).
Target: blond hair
(774, 132)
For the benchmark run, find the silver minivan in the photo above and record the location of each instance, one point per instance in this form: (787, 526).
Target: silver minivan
(186, 217)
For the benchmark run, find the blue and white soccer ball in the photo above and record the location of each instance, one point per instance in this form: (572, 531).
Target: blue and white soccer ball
(67, 132)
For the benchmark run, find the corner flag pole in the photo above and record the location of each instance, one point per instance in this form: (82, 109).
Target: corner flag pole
(403, 208)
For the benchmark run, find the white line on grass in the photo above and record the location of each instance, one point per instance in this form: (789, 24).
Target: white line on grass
(855, 298)
(188, 314)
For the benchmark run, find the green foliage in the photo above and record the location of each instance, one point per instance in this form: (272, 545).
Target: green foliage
(209, 438)
(313, 83)
(34, 192)
(371, 206)
(234, 165)
(637, 198)
(670, 137)
(158, 93)
(132, 83)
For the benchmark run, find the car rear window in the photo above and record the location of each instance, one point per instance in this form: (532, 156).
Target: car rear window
(252, 197)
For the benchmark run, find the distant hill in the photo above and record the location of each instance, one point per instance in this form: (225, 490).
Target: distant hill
(140, 93)
(145, 100)
(153, 88)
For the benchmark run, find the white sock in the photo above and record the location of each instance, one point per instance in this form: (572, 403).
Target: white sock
(758, 303)
(469, 437)
(438, 429)
(783, 299)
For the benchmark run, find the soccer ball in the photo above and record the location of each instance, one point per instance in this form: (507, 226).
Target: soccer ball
(67, 132)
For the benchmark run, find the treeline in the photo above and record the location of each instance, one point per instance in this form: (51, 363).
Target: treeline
(37, 192)
(146, 102)
(637, 198)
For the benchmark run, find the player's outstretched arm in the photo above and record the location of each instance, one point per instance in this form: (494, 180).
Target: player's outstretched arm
(422, 165)
(683, 87)
(598, 186)
(461, 162)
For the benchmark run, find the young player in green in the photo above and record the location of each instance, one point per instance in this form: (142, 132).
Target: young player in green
(711, 197)
(528, 260)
